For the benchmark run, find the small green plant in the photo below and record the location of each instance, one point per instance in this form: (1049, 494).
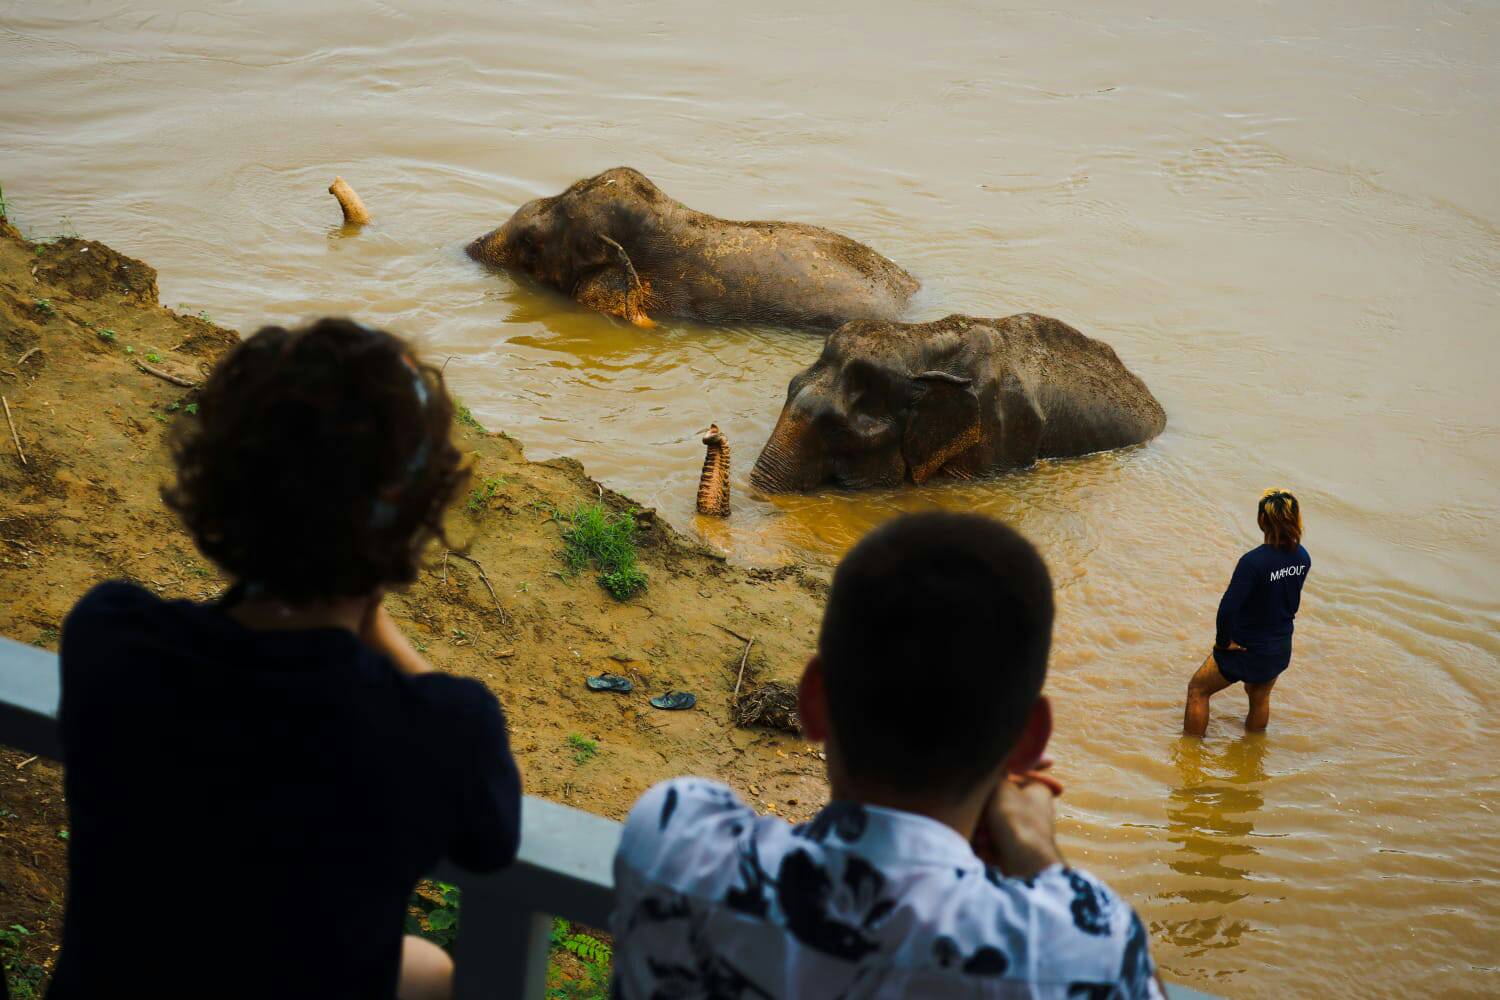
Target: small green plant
(129, 349)
(421, 646)
(62, 834)
(584, 749)
(459, 635)
(594, 536)
(14, 936)
(432, 913)
(4, 208)
(481, 495)
(43, 306)
(49, 636)
(201, 571)
(465, 417)
(591, 953)
(191, 409)
(108, 336)
(153, 357)
(173, 406)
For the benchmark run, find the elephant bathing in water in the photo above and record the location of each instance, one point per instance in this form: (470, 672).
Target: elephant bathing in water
(617, 244)
(891, 402)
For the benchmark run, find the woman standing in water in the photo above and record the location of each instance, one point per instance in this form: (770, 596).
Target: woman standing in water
(1254, 637)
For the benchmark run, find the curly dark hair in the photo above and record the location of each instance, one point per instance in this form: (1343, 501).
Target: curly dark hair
(320, 463)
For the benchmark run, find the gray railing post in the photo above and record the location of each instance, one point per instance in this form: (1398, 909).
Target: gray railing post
(501, 951)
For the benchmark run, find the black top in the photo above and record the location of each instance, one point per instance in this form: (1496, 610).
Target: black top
(249, 810)
(1262, 599)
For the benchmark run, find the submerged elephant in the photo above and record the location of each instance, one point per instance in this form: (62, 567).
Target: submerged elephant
(617, 244)
(891, 402)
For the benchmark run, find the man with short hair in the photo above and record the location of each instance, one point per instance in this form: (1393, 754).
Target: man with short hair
(933, 871)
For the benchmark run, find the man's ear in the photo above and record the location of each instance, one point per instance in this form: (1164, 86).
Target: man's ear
(812, 703)
(1032, 745)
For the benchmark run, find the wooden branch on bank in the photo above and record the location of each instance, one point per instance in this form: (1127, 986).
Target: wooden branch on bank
(13, 435)
(485, 577)
(166, 376)
(744, 657)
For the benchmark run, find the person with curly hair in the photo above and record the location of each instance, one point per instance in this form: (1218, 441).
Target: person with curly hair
(255, 784)
(1253, 643)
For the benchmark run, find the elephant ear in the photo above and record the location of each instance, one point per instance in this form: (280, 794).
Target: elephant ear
(1021, 423)
(616, 289)
(942, 422)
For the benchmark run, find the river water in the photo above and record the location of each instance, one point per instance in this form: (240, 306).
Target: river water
(1283, 216)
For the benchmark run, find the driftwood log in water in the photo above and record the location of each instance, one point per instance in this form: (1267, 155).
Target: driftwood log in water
(713, 484)
(355, 213)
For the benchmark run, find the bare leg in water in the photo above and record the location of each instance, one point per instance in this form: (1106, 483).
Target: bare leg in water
(1260, 706)
(1206, 683)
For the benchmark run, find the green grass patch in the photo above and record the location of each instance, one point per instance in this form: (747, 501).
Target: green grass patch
(4, 208)
(595, 537)
(584, 749)
(466, 417)
(108, 336)
(43, 306)
(481, 495)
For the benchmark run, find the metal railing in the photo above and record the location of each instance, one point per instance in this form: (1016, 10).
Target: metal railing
(563, 868)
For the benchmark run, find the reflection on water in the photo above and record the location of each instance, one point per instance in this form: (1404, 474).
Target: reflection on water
(1282, 216)
(1211, 817)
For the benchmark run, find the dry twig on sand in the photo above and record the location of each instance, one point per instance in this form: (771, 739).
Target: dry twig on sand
(486, 578)
(13, 435)
(744, 657)
(22, 359)
(166, 376)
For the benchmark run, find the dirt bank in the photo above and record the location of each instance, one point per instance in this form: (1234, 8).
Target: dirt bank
(77, 323)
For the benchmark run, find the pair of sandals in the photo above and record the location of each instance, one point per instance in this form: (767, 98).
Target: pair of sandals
(672, 701)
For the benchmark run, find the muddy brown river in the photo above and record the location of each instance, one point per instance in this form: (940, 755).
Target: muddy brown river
(1283, 216)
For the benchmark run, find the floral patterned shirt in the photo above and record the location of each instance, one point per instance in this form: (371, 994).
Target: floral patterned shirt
(713, 900)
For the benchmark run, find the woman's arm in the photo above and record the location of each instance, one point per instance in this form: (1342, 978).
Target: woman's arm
(1230, 604)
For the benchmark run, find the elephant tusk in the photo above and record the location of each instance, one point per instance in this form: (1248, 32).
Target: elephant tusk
(355, 213)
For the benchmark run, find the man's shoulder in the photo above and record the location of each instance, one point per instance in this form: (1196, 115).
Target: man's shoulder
(679, 809)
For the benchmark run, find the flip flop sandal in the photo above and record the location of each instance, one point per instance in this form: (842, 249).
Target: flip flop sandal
(675, 701)
(610, 682)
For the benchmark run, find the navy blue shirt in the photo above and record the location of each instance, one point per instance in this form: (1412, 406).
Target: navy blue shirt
(1262, 599)
(249, 810)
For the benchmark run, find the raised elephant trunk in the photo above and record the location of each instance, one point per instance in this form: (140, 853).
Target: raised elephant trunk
(713, 484)
(355, 213)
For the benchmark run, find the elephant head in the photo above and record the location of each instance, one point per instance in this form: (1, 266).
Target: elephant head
(576, 242)
(894, 402)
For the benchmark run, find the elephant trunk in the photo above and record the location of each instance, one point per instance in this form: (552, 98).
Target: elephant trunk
(713, 484)
(779, 469)
(355, 213)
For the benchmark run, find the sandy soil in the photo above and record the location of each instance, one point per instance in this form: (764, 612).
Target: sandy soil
(76, 322)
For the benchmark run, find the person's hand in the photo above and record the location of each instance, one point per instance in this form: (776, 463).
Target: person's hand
(1017, 828)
